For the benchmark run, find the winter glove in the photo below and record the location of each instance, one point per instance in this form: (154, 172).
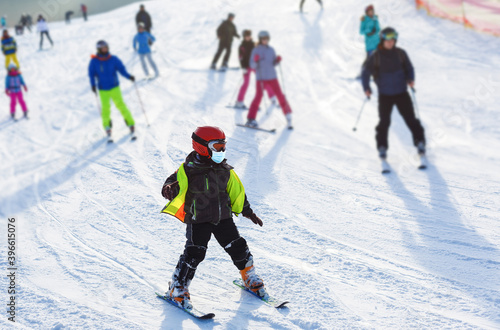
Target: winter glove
(170, 191)
(94, 89)
(25, 88)
(256, 58)
(277, 60)
(132, 78)
(255, 219)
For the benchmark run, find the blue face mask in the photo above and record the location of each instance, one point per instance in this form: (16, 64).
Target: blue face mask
(218, 157)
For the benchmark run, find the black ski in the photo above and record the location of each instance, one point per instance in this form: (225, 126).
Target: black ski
(193, 311)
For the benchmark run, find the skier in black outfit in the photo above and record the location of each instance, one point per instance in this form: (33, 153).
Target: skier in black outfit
(393, 72)
(225, 32)
(143, 16)
(204, 193)
(302, 4)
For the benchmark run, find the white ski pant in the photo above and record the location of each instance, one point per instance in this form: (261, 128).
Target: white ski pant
(151, 62)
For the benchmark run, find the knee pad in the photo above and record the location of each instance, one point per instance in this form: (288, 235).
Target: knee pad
(239, 252)
(194, 254)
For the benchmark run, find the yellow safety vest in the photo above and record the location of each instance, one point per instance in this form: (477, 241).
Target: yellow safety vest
(234, 188)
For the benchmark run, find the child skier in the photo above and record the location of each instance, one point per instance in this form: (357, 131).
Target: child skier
(203, 193)
(142, 42)
(104, 67)
(9, 49)
(13, 83)
(43, 28)
(245, 50)
(263, 60)
(370, 29)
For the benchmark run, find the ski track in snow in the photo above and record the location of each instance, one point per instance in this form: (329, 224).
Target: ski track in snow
(348, 247)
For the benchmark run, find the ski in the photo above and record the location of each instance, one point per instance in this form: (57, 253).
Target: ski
(276, 303)
(237, 108)
(386, 168)
(193, 312)
(273, 130)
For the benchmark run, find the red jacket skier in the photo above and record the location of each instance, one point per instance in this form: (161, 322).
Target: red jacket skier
(204, 193)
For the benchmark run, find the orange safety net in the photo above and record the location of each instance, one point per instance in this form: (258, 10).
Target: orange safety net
(481, 15)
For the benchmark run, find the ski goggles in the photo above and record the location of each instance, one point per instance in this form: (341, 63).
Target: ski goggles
(217, 145)
(390, 36)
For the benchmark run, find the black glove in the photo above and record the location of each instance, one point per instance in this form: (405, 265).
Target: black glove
(255, 219)
(132, 78)
(94, 89)
(171, 190)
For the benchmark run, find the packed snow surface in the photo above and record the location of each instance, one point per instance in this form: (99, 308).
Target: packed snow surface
(348, 246)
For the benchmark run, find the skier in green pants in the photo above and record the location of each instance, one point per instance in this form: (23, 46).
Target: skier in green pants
(104, 67)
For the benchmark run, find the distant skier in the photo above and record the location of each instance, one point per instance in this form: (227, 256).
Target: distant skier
(43, 28)
(13, 83)
(302, 4)
(3, 21)
(29, 21)
(104, 67)
(68, 16)
(83, 8)
(9, 49)
(370, 28)
(141, 43)
(245, 50)
(25, 22)
(263, 60)
(204, 193)
(393, 72)
(143, 17)
(225, 32)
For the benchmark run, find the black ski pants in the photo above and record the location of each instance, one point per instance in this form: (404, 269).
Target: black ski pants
(41, 38)
(223, 45)
(226, 233)
(405, 107)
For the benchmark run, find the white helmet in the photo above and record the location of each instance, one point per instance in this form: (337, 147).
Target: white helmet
(264, 34)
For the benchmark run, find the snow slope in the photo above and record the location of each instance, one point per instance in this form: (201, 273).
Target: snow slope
(349, 247)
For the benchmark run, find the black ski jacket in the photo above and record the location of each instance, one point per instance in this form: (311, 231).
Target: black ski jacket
(207, 199)
(245, 51)
(226, 31)
(143, 16)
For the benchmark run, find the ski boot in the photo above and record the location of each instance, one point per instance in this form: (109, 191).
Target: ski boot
(289, 121)
(213, 67)
(179, 294)
(108, 134)
(25, 115)
(252, 123)
(224, 66)
(421, 148)
(13, 115)
(240, 105)
(382, 152)
(133, 137)
(252, 281)
(178, 288)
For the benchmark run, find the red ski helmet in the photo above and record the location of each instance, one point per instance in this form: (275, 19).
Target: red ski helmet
(368, 8)
(203, 135)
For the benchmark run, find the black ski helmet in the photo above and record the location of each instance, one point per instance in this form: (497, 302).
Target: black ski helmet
(247, 33)
(389, 33)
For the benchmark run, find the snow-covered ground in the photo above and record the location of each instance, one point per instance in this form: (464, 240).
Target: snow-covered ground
(349, 247)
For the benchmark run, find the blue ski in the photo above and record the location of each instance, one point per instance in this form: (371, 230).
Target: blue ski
(193, 312)
(270, 300)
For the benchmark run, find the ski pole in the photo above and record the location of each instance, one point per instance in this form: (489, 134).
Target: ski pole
(140, 101)
(98, 104)
(413, 91)
(359, 115)
(236, 90)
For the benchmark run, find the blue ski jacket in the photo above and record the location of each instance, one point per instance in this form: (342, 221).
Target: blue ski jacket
(141, 42)
(105, 69)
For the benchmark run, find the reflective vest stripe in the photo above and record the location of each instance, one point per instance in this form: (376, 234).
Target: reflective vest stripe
(236, 193)
(176, 206)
